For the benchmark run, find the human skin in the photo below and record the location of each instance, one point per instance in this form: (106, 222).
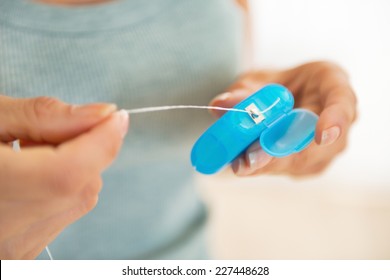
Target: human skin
(56, 178)
(321, 87)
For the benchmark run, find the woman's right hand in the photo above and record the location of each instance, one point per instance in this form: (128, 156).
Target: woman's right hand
(56, 178)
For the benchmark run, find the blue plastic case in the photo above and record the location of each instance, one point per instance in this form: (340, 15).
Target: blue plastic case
(280, 129)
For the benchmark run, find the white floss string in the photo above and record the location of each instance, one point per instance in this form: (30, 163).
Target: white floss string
(16, 145)
(271, 106)
(49, 253)
(165, 108)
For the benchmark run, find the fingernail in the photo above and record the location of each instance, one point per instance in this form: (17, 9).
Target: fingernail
(257, 158)
(330, 135)
(238, 165)
(221, 97)
(92, 110)
(124, 122)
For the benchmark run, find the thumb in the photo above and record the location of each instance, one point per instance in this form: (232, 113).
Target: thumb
(46, 119)
(99, 146)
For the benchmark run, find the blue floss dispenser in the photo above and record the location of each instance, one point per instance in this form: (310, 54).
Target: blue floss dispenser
(270, 118)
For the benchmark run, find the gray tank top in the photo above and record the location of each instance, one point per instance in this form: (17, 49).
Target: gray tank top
(134, 53)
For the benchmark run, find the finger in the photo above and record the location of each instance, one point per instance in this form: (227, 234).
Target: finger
(337, 116)
(47, 120)
(310, 161)
(331, 97)
(252, 81)
(51, 172)
(313, 159)
(19, 216)
(38, 166)
(315, 169)
(38, 236)
(243, 87)
(252, 160)
(337, 100)
(228, 100)
(309, 102)
(98, 147)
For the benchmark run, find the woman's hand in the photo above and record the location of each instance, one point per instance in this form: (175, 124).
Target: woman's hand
(55, 179)
(321, 87)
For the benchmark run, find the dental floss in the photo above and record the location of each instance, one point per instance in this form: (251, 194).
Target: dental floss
(49, 253)
(280, 132)
(165, 108)
(16, 145)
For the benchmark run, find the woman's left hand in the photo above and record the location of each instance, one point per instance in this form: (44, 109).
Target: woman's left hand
(321, 87)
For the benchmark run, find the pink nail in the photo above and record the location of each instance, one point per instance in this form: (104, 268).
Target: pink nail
(124, 122)
(222, 97)
(257, 159)
(238, 165)
(330, 135)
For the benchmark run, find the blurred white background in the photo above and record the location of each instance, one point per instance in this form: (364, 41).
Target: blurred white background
(344, 213)
(355, 34)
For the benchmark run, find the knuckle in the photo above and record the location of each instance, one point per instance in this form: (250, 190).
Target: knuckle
(37, 110)
(346, 94)
(92, 189)
(276, 166)
(309, 172)
(325, 66)
(342, 146)
(295, 174)
(41, 107)
(112, 149)
(314, 169)
(88, 204)
(300, 161)
(64, 180)
(318, 169)
(321, 69)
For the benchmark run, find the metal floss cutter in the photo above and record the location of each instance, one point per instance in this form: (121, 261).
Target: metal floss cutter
(281, 129)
